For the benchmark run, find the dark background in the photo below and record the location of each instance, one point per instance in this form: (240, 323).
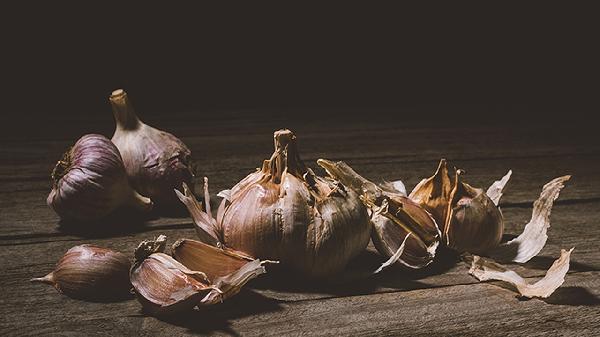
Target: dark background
(437, 65)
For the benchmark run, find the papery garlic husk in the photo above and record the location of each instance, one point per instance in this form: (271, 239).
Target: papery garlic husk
(90, 182)
(313, 226)
(433, 194)
(473, 222)
(90, 272)
(229, 269)
(394, 216)
(156, 161)
(486, 269)
(164, 286)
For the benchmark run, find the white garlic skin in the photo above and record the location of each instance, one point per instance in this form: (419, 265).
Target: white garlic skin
(90, 182)
(156, 161)
(316, 238)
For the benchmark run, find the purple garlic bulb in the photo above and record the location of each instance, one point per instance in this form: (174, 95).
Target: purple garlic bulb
(90, 182)
(156, 161)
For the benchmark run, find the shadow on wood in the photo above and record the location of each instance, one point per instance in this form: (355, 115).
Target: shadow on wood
(575, 296)
(544, 262)
(217, 317)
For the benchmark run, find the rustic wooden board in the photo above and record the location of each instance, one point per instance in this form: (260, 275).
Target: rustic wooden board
(441, 300)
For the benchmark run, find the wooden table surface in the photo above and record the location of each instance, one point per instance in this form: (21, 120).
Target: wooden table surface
(440, 300)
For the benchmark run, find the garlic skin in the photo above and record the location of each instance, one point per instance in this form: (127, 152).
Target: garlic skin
(156, 161)
(433, 194)
(394, 216)
(313, 226)
(90, 182)
(164, 286)
(90, 272)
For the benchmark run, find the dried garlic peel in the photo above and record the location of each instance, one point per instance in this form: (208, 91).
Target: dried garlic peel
(534, 236)
(495, 191)
(486, 269)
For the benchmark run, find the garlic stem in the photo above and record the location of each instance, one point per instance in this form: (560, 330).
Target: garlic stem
(125, 116)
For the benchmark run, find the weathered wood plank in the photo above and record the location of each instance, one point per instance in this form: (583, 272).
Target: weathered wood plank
(474, 309)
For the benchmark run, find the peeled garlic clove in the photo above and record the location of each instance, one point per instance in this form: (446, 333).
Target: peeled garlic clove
(474, 223)
(486, 269)
(433, 193)
(90, 272)
(164, 286)
(156, 161)
(393, 216)
(229, 270)
(284, 212)
(90, 181)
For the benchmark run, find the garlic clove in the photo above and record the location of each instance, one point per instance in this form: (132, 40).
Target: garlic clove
(393, 217)
(164, 286)
(433, 193)
(90, 272)
(229, 270)
(533, 238)
(90, 182)
(486, 269)
(156, 162)
(474, 223)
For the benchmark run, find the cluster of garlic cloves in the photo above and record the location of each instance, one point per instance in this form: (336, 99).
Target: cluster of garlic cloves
(156, 161)
(394, 217)
(165, 286)
(314, 226)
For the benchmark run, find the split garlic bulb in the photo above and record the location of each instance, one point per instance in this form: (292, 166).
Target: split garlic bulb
(156, 161)
(90, 272)
(90, 182)
(285, 212)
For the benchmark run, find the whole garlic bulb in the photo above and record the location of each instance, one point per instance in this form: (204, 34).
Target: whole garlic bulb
(156, 161)
(285, 212)
(90, 181)
(90, 272)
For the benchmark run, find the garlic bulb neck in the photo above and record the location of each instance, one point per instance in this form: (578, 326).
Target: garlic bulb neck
(285, 158)
(123, 110)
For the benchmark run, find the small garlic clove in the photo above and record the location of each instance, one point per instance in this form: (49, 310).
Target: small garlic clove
(164, 286)
(486, 269)
(474, 223)
(393, 217)
(433, 193)
(91, 273)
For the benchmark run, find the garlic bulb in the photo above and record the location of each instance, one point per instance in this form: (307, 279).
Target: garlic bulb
(90, 182)
(164, 286)
(284, 212)
(90, 272)
(394, 216)
(156, 161)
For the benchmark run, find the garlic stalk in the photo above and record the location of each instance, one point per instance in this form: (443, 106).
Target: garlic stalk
(284, 212)
(394, 216)
(90, 272)
(90, 182)
(165, 286)
(156, 161)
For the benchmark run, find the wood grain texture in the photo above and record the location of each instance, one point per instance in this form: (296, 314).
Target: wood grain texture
(440, 300)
